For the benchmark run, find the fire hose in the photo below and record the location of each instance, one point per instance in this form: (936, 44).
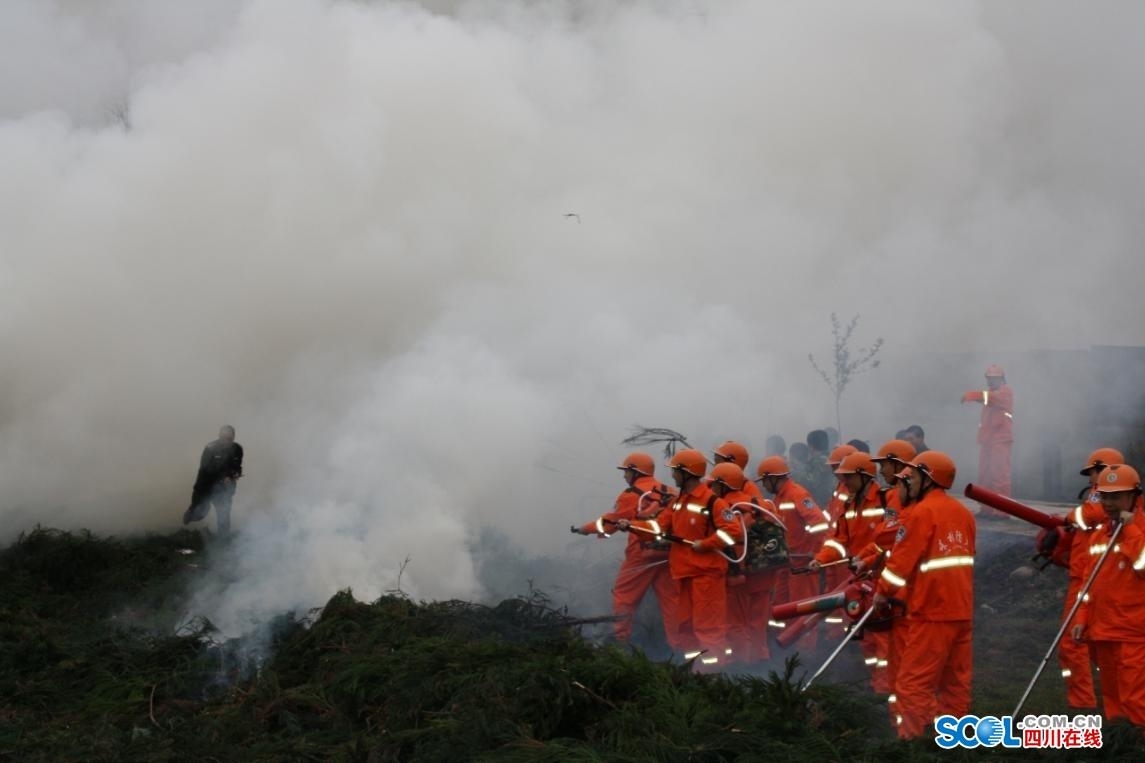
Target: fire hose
(660, 535)
(1013, 508)
(853, 596)
(1069, 617)
(1051, 543)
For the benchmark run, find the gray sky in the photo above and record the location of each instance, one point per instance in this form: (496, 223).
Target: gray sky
(341, 227)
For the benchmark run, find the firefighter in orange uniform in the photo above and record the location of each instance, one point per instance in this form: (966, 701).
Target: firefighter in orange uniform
(749, 592)
(734, 452)
(807, 526)
(892, 457)
(1077, 670)
(995, 433)
(645, 564)
(1112, 618)
(701, 525)
(837, 575)
(861, 519)
(931, 569)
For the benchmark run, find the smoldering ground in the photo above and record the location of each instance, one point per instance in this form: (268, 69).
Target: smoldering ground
(344, 228)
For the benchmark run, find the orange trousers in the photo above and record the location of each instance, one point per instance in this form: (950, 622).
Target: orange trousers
(933, 675)
(874, 646)
(702, 615)
(1074, 658)
(749, 609)
(994, 466)
(1122, 666)
(633, 580)
(896, 639)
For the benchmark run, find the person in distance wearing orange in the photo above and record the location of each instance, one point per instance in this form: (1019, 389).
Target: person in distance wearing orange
(995, 435)
(931, 569)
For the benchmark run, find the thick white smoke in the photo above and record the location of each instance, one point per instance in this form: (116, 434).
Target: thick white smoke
(433, 260)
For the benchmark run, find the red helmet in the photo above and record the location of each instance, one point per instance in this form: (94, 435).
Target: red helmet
(857, 463)
(639, 462)
(730, 474)
(1101, 458)
(1118, 478)
(839, 453)
(691, 461)
(896, 450)
(735, 452)
(773, 466)
(936, 465)
(994, 370)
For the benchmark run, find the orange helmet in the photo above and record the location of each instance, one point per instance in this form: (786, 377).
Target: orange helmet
(733, 451)
(730, 474)
(639, 462)
(773, 466)
(1118, 478)
(994, 370)
(896, 450)
(857, 463)
(936, 465)
(839, 453)
(1101, 458)
(691, 461)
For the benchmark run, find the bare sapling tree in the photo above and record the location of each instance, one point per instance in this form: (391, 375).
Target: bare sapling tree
(847, 365)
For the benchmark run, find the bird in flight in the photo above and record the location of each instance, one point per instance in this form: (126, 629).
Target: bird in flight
(572, 214)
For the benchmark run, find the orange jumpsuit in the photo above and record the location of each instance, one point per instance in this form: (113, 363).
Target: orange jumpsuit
(807, 525)
(995, 437)
(643, 566)
(1077, 670)
(702, 613)
(1114, 616)
(855, 529)
(872, 556)
(749, 595)
(931, 568)
(833, 577)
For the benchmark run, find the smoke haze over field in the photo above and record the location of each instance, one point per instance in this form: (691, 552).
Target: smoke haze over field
(341, 226)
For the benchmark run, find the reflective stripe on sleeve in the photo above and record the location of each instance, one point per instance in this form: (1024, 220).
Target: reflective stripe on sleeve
(946, 561)
(892, 578)
(787, 506)
(837, 546)
(821, 527)
(727, 539)
(1078, 519)
(600, 526)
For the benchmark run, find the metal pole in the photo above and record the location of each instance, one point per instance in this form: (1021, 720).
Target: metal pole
(862, 621)
(1069, 618)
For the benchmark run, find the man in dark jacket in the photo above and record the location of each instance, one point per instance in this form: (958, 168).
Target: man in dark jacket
(219, 469)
